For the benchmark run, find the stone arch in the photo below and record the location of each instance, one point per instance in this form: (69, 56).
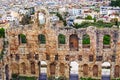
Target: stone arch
(61, 39)
(43, 66)
(22, 38)
(106, 41)
(32, 67)
(52, 68)
(86, 41)
(41, 39)
(95, 70)
(85, 70)
(106, 71)
(15, 68)
(43, 70)
(62, 68)
(74, 70)
(73, 42)
(117, 71)
(41, 15)
(23, 67)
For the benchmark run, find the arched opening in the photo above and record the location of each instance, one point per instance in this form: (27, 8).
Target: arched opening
(32, 68)
(85, 70)
(74, 70)
(62, 69)
(0, 73)
(43, 70)
(15, 68)
(41, 18)
(73, 42)
(95, 70)
(106, 41)
(42, 39)
(117, 71)
(61, 39)
(7, 72)
(106, 71)
(23, 67)
(52, 68)
(86, 41)
(22, 38)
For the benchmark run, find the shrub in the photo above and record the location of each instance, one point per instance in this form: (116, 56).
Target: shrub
(51, 78)
(89, 17)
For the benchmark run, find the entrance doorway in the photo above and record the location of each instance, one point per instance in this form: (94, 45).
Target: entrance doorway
(74, 71)
(7, 72)
(106, 71)
(43, 70)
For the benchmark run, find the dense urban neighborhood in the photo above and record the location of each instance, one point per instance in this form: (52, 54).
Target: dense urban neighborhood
(59, 40)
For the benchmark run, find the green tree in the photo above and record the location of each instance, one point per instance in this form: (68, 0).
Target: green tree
(61, 18)
(115, 3)
(89, 17)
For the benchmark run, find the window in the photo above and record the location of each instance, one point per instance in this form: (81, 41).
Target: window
(61, 39)
(36, 56)
(52, 68)
(95, 70)
(47, 57)
(67, 57)
(99, 58)
(86, 41)
(28, 56)
(91, 58)
(23, 66)
(42, 39)
(32, 68)
(73, 42)
(113, 58)
(85, 70)
(117, 71)
(80, 57)
(56, 57)
(22, 38)
(17, 57)
(106, 41)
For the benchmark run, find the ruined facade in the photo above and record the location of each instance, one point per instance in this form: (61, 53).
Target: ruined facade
(25, 56)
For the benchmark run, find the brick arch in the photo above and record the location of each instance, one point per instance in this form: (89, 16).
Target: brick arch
(85, 69)
(62, 68)
(23, 68)
(52, 68)
(32, 67)
(106, 41)
(61, 39)
(73, 42)
(22, 38)
(42, 38)
(86, 41)
(95, 70)
(117, 71)
(15, 68)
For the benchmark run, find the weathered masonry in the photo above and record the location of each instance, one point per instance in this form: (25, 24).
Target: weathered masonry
(43, 48)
